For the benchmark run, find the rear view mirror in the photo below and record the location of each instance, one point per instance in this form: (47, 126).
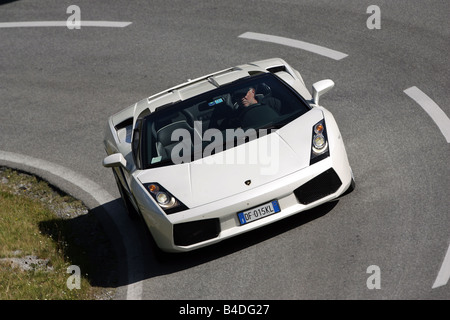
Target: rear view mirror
(114, 160)
(321, 87)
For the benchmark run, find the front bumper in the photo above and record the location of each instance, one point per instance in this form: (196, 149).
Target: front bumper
(210, 223)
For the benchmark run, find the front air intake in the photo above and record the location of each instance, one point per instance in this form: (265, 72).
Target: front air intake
(185, 234)
(321, 186)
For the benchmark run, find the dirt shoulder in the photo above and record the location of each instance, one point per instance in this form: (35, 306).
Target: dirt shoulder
(74, 229)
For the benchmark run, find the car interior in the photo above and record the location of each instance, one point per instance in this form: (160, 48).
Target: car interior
(184, 123)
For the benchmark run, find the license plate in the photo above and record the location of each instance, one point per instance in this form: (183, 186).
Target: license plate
(262, 211)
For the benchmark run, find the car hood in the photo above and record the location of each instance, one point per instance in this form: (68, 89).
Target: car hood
(239, 169)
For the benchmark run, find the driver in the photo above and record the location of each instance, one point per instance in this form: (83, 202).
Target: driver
(248, 101)
(249, 98)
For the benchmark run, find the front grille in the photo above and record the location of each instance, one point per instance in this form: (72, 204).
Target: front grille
(321, 186)
(185, 234)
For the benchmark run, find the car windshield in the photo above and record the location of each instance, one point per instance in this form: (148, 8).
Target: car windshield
(239, 111)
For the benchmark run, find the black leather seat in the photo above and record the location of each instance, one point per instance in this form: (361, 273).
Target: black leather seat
(164, 142)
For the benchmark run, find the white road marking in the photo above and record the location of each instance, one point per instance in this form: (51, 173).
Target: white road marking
(433, 110)
(443, 122)
(101, 196)
(90, 187)
(333, 54)
(444, 273)
(24, 24)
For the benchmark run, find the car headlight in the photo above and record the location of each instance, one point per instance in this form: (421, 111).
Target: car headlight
(164, 199)
(319, 145)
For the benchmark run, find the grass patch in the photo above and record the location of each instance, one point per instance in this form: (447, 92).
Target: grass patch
(42, 233)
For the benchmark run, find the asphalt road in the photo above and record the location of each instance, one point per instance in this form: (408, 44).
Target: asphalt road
(58, 86)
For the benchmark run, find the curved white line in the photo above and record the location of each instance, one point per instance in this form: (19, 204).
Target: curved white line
(444, 273)
(443, 122)
(98, 193)
(101, 196)
(433, 110)
(329, 53)
(25, 24)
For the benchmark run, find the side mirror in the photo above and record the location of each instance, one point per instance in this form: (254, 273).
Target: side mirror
(321, 87)
(114, 160)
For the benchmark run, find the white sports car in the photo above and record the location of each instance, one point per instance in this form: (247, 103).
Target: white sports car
(227, 153)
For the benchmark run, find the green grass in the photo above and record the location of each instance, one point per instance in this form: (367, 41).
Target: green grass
(29, 226)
